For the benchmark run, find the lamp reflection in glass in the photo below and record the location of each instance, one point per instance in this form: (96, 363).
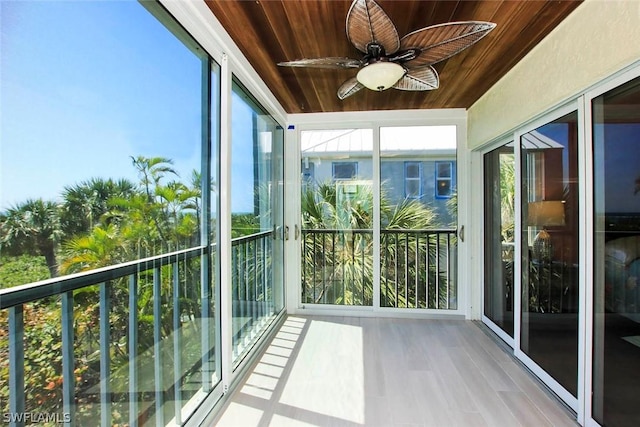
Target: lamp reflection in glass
(380, 75)
(546, 213)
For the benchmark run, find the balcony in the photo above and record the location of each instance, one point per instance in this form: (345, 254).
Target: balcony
(149, 354)
(345, 371)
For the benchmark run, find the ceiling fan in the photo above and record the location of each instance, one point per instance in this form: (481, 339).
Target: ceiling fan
(390, 61)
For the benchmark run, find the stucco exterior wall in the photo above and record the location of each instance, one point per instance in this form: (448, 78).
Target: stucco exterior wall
(598, 39)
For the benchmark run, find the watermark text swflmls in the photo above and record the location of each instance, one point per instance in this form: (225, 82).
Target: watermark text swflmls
(36, 417)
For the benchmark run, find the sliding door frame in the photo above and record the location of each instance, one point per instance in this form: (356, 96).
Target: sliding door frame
(478, 160)
(611, 83)
(573, 402)
(376, 120)
(582, 405)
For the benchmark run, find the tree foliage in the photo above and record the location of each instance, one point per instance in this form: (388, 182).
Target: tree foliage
(33, 228)
(338, 241)
(98, 223)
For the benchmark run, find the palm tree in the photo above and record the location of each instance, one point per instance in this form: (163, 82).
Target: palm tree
(86, 202)
(342, 256)
(32, 227)
(102, 247)
(344, 271)
(151, 170)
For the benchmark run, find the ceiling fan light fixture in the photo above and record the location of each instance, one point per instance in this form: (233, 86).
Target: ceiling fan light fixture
(380, 75)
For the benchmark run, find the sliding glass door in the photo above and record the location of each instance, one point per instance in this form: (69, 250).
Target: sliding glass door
(418, 217)
(616, 293)
(337, 217)
(549, 247)
(499, 237)
(379, 224)
(532, 250)
(257, 228)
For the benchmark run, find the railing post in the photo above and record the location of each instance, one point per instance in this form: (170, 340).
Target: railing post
(158, 365)
(253, 284)
(342, 262)
(68, 377)
(397, 304)
(314, 251)
(133, 350)
(105, 359)
(384, 274)
(417, 268)
(323, 274)
(177, 347)
(333, 263)
(437, 270)
(353, 258)
(406, 270)
(16, 363)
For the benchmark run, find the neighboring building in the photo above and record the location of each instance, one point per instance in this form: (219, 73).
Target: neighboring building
(417, 165)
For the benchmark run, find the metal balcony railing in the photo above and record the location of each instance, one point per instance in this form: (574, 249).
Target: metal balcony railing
(146, 341)
(252, 290)
(418, 267)
(151, 343)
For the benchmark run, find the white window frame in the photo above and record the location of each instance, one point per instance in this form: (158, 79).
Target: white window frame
(376, 120)
(444, 178)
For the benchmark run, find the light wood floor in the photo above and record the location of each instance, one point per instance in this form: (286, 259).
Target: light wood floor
(343, 371)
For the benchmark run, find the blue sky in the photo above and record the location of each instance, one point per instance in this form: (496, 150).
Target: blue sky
(84, 86)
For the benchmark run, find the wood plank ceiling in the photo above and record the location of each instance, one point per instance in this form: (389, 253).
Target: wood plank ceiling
(271, 31)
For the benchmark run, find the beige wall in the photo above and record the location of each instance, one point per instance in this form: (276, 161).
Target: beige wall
(599, 38)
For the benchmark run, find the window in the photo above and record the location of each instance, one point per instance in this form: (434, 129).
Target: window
(616, 236)
(344, 170)
(412, 180)
(256, 194)
(336, 262)
(416, 265)
(114, 177)
(550, 249)
(444, 182)
(499, 238)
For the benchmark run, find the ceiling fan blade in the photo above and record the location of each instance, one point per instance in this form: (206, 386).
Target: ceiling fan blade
(367, 23)
(423, 78)
(349, 87)
(439, 42)
(333, 63)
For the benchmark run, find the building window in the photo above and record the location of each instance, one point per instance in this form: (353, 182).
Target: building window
(413, 180)
(344, 170)
(444, 181)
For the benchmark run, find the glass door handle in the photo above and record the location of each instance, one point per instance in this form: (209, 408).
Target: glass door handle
(296, 232)
(461, 233)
